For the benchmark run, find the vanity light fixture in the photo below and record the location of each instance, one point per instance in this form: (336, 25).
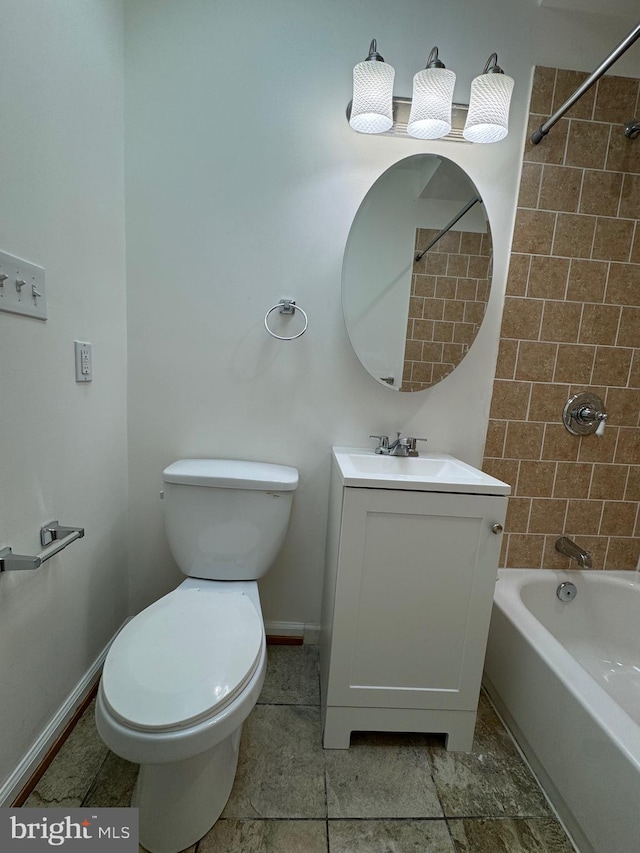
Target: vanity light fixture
(430, 116)
(431, 113)
(372, 107)
(488, 116)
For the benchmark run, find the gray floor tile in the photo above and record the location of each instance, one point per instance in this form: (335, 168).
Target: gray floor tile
(70, 775)
(114, 784)
(293, 676)
(515, 836)
(381, 775)
(490, 781)
(389, 836)
(281, 765)
(266, 836)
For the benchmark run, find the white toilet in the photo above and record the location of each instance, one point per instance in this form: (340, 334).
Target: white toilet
(182, 676)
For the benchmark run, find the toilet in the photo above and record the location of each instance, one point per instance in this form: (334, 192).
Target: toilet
(182, 676)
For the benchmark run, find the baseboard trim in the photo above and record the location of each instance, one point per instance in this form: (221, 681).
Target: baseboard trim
(292, 633)
(34, 763)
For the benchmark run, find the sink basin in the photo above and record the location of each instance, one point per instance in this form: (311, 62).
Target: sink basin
(431, 472)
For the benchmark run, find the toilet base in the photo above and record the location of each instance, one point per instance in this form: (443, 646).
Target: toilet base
(181, 801)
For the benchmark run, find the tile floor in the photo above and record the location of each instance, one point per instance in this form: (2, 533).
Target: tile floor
(386, 794)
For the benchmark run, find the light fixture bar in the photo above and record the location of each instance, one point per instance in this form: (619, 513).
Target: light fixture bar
(402, 110)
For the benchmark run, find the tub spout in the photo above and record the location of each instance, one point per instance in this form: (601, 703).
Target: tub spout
(570, 549)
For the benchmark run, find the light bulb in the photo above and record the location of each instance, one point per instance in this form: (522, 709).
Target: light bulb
(488, 116)
(430, 116)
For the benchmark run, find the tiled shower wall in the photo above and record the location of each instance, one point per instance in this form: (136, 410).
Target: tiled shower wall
(449, 291)
(572, 323)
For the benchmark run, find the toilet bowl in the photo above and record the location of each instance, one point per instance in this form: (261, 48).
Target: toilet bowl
(182, 676)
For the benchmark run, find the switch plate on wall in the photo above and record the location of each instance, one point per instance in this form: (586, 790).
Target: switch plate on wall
(84, 365)
(22, 288)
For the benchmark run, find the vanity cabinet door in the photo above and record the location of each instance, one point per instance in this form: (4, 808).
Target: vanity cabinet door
(413, 597)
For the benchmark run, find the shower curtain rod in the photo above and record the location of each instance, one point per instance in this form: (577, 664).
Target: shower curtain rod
(448, 226)
(632, 129)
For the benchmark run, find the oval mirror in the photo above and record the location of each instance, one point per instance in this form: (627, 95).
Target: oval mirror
(417, 272)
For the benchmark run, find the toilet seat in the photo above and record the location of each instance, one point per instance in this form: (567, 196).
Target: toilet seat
(183, 659)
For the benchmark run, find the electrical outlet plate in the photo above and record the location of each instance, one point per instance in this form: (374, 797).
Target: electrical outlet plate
(23, 289)
(84, 365)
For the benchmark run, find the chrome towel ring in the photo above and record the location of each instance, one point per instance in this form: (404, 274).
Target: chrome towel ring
(286, 306)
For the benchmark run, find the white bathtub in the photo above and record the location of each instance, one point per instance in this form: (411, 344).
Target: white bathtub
(566, 678)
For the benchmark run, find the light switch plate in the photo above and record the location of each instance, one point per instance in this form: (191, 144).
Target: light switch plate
(22, 287)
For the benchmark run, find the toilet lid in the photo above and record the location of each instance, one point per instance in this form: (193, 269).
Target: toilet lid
(182, 659)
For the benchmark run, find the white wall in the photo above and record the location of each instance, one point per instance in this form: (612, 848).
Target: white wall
(62, 445)
(243, 179)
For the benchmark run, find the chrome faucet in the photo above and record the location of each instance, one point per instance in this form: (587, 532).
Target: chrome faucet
(570, 549)
(400, 447)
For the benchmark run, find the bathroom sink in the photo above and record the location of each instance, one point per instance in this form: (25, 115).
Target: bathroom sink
(430, 472)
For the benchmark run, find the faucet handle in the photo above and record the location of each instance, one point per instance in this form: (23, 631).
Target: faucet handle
(411, 442)
(383, 443)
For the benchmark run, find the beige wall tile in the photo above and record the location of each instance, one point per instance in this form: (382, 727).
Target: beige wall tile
(525, 551)
(623, 554)
(629, 197)
(574, 235)
(587, 280)
(616, 98)
(536, 478)
(587, 145)
(608, 482)
(599, 324)
(583, 517)
(547, 401)
(510, 400)
(533, 231)
(523, 441)
(548, 277)
(629, 331)
(572, 322)
(623, 407)
(600, 192)
(566, 84)
(574, 364)
(536, 361)
(613, 239)
(518, 515)
(521, 318)
(573, 480)
(544, 81)
(530, 184)
(561, 321)
(559, 444)
(446, 287)
(560, 188)
(547, 515)
(424, 285)
(599, 448)
(503, 469)
(552, 149)
(622, 154)
(507, 355)
(632, 491)
(618, 518)
(611, 366)
(628, 447)
(623, 285)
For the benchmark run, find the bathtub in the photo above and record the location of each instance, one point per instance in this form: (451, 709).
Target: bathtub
(566, 679)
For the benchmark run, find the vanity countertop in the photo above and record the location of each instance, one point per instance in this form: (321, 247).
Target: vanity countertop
(428, 472)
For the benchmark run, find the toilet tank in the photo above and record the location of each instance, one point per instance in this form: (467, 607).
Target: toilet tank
(226, 519)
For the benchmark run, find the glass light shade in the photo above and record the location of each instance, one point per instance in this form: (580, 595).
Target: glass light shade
(430, 116)
(372, 105)
(488, 116)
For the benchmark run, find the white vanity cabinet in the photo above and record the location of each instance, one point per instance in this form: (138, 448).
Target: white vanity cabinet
(409, 581)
